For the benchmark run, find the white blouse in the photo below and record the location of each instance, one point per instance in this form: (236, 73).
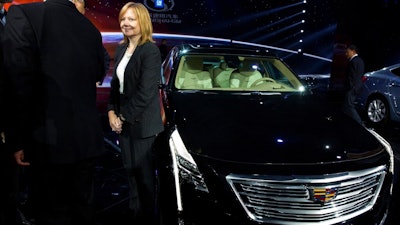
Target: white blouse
(121, 70)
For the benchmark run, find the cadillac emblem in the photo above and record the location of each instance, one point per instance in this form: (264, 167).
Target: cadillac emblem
(322, 195)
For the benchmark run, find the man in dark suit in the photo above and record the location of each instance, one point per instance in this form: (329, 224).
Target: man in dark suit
(55, 57)
(8, 167)
(353, 85)
(80, 5)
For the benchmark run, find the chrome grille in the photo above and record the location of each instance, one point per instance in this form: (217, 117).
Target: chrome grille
(311, 199)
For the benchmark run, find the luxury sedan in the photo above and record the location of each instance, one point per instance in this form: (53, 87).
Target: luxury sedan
(380, 97)
(247, 143)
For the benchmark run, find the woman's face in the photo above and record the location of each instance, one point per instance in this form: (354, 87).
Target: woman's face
(130, 24)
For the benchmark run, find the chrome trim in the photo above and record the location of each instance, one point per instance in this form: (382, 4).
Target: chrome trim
(287, 199)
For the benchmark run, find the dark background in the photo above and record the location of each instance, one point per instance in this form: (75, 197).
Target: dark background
(328, 26)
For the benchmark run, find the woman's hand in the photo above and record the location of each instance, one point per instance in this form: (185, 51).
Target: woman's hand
(115, 122)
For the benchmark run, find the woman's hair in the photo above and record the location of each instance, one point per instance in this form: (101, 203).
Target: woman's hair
(144, 19)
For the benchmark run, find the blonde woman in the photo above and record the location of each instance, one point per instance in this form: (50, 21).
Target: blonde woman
(134, 107)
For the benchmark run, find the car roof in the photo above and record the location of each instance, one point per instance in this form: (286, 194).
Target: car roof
(392, 66)
(218, 48)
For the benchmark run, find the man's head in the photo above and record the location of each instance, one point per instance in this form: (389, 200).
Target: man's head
(80, 5)
(351, 50)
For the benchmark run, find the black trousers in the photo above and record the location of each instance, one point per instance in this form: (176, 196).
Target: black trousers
(8, 186)
(137, 159)
(349, 106)
(62, 194)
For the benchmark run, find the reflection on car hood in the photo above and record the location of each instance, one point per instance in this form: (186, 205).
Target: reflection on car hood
(278, 128)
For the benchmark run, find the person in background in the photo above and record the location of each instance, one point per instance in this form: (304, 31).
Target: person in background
(56, 131)
(80, 6)
(163, 49)
(353, 82)
(134, 109)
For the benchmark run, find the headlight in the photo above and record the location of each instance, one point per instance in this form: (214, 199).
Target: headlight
(184, 167)
(388, 149)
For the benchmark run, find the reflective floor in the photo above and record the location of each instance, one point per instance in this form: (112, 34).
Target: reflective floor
(111, 190)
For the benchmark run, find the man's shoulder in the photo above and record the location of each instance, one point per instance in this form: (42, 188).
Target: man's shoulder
(358, 59)
(27, 7)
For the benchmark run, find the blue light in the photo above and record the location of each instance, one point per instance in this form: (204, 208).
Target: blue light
(159, 3)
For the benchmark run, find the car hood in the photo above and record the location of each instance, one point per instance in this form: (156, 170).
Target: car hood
(254, 128)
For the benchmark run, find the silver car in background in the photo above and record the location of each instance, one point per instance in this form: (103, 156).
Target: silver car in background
(379, 101)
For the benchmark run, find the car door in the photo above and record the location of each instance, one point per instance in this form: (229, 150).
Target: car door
(394, 89)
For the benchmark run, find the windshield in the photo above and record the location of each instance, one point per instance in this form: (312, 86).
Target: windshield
(235, 73)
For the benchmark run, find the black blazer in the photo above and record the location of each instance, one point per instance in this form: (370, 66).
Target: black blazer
(140, 103)
(355, 71)
(54, 58)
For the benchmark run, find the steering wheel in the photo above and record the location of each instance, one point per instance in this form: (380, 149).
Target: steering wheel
(266, 79)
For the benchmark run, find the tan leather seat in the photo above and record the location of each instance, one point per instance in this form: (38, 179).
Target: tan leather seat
(245, 75)
(192, 75)
(222, 75)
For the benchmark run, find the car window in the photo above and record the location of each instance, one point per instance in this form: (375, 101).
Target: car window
(235, 73)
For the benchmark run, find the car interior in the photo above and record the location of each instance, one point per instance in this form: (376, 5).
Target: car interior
(245, 75)
(192, 75)
(228, 73)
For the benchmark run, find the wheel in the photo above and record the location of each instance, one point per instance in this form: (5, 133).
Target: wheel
(264, 79)
(377, 111)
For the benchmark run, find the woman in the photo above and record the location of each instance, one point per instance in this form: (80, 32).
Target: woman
(134, 106)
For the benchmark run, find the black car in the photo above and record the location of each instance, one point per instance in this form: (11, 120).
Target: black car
(247, 143)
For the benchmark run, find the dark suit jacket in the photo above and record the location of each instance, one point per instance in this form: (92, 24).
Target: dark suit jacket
(2, 82)
(4, 99)
(355, 71)
(140, 102)
(54, 58)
